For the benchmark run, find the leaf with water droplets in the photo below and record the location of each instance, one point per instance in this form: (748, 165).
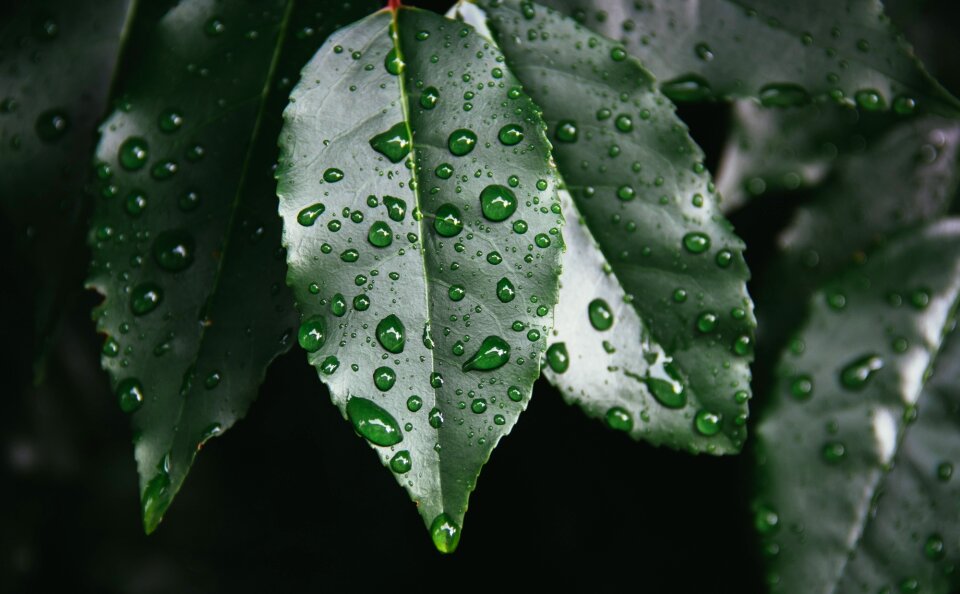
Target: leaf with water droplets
(648, 230)
(780, 53)
(832, 515)
(429, 125)
(185, 232)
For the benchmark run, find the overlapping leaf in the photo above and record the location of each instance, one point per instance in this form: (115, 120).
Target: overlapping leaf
(838, 417)
(654, 331)
(422, 228)
(186, 237)
(847, 50)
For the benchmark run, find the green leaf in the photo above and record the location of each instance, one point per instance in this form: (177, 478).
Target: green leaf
(422, 228)
(185, 236)
(783, 53)
(911, 537)
(836, 420)
(655, 327)
(58, 58)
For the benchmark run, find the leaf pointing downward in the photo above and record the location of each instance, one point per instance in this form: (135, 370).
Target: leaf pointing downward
(654, 330)
(422, 228)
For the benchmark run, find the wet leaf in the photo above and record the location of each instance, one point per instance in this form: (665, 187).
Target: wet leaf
(654, 329)
(422, 228)
(781, 53)
(838, 417)
(185, 235)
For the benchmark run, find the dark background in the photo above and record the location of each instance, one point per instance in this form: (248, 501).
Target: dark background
(292, 500)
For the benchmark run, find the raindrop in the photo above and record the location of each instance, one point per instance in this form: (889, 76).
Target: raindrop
(497, 202)
(557, 357)
(856, 374)
(394, 144)
(133, 153)
(391, 334)
(461, 142)
(510, 134)
(566, 131)
(448, 221)
(494, 352)
(380, 235)
(308, 216)
(130, 395)
(145, 298)
(312, 334)
(601, 316)
(445, 533)
(619, 419)
(384, 378)
(373, 422)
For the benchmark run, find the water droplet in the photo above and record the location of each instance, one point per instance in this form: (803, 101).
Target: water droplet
(510, 134)
(173, 250)
(135, 203)
(783, 95)
(619, 419)
(707, 322)
(391, 334)
(944, 471)
(393, 63)
(497, 202)
(514, 394)
(801, 387)
(329, 365)
(444, 170)
(461, 142)
(130, 395)
(396, 208)
(457, 292)
(401, 462)
(133, 153)
(429, 98)
(618, 54)
(856, 374)
(933, 547)
(542, 240)
(505, 290)
(52, 124)
(743, 345)
(494, 352)
(111, 348)
(448, 222)
(870, 100)
(904, 105)
(601, 316)
(623, 123)
(312, 334)
(920, 299)
(214, 27)
(669, 391)
(308, 216)
(170, 121)
(557, 357)
(380, 235)
(689, 87)
(696, 242)
(833, 452)
(414, 403)
(445, 533)
(566, 131)
(766, 520)
(435, 418)
(373, 422)
(703, 52)
(384, 378)
(707, 423)
(478, 406)
(394, 144)
(332, 175)
(164, 170)
(145, 298)
(350, 255)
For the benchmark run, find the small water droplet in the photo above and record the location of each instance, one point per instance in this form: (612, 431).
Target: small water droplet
(870, 100)
(145, 298)
(833, 452)
(801, 387)
(707, 423)
(783, 95)
(133, 153)
(703, 52)
(52, 124)
(401, 462)
(308, 216)
(173, 250)
(170, 121)
(429, 98)
(510, 134)
(414, 403)
(689, 87)
(393, 63)
(130, 395)
(619, 419)
(396, 208)
(332, 175)
(696, 242)
(566, 131)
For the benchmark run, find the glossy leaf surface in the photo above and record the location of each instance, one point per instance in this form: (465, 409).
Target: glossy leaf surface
(423, 236)
(836, 420)
(185, 235)
(847, 50)
(655, 327)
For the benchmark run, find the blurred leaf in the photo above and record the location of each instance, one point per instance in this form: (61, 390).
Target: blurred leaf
(837, 418)
(185, 235)
(783, 53)
(654, 322)
(422, 229)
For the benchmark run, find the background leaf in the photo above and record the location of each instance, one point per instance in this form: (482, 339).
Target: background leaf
(844, 389)
(426, 294)
(702, 50)
(654, 323)
(185, 233)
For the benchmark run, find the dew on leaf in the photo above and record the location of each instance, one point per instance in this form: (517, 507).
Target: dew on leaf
(494, 352)
(384, 378)
(394, 144)
(557, 357)
(600, 314)
(312, 334)
(858, 373)
(145, 298)
(391, 334)
(461, 142)
(497, 202)
(373, 422)
(174, 250)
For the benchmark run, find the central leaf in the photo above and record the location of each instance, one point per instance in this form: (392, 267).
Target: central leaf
(423, 234)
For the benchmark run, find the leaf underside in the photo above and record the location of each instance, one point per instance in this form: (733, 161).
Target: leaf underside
(185, 232)
(402, 277)
(836, 419)
(847, 50)
(654, 324)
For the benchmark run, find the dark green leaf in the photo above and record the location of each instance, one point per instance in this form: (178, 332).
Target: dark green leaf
(186, 235)
(783, 53)
(844, 388)
(57, 60)
(423, 240)
(655, 327)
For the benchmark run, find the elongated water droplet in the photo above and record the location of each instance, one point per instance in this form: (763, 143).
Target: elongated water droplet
(332, 175)
(601, 316)
(669, 390)
(494, 352)
(619, 419)
(689, 87)
(445, 533)
(373, 422)
(870, 100)
(308, 216)
(312, 334)
(505, 290)
(391, 334)
(783, 95)
(130, 395)
(396, 208)
(510, 134)
(856, 374)
(497, 202)
(394, 144)
(557, 357)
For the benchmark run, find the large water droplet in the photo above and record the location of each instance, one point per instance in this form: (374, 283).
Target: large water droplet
(696, 242)
(391, 334)
(557, 357)
(505, 290)
(312, 334)
(380, 235)
(494, 352)
(401, 462)
(384, 378)
(667, 389)
(510, 134)
(394, 144)
(461, 142)
(308, 216)
(373, 422)
(396, 208)
(856, 374)
(393, 63)
(445, 533)
(448, 221)
(689, 87)
(497, 202)
(601, 316)
(173, 250)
